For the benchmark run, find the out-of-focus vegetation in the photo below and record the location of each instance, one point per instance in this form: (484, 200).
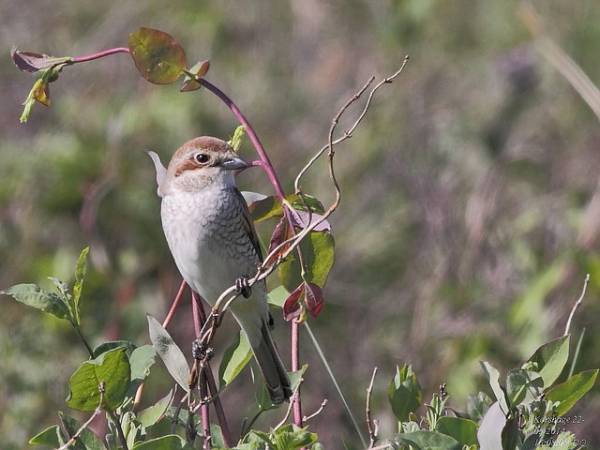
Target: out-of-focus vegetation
(470, 211)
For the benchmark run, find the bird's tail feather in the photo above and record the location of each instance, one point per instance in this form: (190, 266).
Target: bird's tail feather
(271, 366)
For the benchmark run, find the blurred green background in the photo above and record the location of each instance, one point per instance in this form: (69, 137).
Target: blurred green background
(471, 195)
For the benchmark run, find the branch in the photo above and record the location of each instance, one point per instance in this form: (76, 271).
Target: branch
(371, 424)
(212, 386)
(204, 413)
(576, 305)
(317, 412)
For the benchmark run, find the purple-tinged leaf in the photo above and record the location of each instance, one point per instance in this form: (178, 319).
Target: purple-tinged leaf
(33, 62)
(291, 306)
(303, 219)
(157, 55)
(199, 69)
(313, 298)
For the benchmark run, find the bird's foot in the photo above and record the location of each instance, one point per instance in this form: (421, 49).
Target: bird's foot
(242, 286)
(201, 351)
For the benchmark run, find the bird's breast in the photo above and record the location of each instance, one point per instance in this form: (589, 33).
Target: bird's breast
(206, 236)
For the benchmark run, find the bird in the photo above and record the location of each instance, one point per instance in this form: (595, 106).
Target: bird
(213, 241)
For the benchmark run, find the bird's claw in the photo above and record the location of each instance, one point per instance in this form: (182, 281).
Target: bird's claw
(242, 286)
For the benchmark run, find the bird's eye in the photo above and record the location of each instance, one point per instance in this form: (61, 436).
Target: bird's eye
(202, 158)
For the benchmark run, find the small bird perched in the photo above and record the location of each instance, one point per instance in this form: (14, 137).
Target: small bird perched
(212, 239)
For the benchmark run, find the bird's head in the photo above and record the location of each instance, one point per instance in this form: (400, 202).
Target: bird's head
(198, 164)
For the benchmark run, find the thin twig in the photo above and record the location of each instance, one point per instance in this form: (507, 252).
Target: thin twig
(348, 133)
(87, 423)
(371, 424)
(317, 412)
(576, 305)
(290, 407)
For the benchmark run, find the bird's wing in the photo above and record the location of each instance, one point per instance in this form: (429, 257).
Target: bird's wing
(248, 225)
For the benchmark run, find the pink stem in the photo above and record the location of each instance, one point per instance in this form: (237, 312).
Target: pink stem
(267, 166)
(102, 54)
(174, 304)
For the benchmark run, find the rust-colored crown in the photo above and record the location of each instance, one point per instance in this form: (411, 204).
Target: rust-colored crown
(209, 143)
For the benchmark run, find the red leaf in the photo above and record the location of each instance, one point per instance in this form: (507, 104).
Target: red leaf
(291, 306)
(281, 233)
(313, 298)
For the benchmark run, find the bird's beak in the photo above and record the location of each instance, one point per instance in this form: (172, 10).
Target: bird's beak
(235, 163)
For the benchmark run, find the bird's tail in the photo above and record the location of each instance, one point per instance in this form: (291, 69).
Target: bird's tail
(271, 366)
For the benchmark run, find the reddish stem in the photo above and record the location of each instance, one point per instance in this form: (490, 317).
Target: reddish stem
(174, 304)
(270, 172)
(102, 54)
(210, 379)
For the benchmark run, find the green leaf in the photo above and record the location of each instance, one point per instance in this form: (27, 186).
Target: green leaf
(80, 272)
(318, 253)
(236, 357)
(427, 440)
(296, 377)
(463, 430)
(291, 437)
(168, 442)
(523, 386)
(404, 392)
(87, 440)
(48, 436)
(110, 345)
(263, 399)
(236, 140)
(140, 360)
(550, 359)
(277, 296)
(511, 435)
(569, 392)
(170, 353)
(265, 208)
(32, 295)
(477, 405)
(154, 413)
(112, 369)
(494, 380)
(157, 55)
(304, 202)
(199, 70)
(489, 434)
(269, 207)
(216, 436)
